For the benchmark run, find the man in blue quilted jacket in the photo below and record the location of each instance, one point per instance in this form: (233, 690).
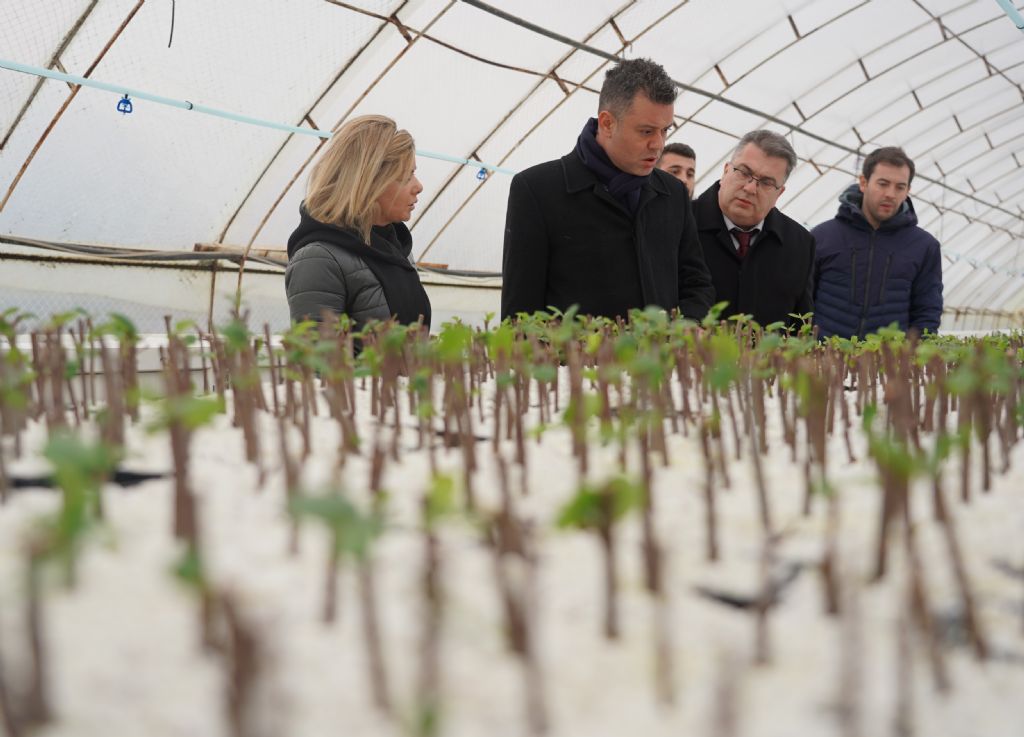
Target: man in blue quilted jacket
(875, 266)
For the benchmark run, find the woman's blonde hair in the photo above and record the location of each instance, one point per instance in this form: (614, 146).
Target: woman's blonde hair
(363, 157)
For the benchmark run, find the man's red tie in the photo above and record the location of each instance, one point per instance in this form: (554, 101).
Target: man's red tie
(743, 237)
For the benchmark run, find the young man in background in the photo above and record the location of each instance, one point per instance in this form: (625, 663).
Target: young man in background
(680, 161)
(875, 266)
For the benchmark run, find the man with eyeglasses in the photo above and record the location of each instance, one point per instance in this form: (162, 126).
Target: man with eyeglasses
(761, 261)
(602, 228)
(875, 265)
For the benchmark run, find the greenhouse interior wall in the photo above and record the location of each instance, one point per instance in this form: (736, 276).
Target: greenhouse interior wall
(133, 133)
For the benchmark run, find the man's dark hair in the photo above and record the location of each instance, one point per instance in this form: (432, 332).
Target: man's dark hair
(892, 155)
(625, 79)
(679, 149)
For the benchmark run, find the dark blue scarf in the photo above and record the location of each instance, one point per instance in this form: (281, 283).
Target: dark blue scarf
(620, 185)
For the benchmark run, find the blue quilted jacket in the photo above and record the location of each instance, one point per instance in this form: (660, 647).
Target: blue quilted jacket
(866, 279)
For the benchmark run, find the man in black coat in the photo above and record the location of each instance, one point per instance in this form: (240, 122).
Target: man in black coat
(601, 228)
(761, 261)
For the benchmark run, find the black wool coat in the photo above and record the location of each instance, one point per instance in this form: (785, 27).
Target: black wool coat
(568, 241)
(774, 280)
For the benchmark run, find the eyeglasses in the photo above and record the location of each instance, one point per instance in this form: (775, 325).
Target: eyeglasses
(763, 184)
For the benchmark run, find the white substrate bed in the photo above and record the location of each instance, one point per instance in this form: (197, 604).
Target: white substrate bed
(124, 645)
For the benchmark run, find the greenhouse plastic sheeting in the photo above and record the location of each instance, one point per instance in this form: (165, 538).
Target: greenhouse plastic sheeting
(508, 84)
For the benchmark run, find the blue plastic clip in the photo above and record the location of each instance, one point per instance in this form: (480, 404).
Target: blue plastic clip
(124, 105)
(482, 174)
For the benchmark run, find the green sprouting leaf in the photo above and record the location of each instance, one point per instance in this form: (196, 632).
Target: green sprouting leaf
(768, 344)
(72, 368)
(190, 568)
(932, 462)
(194, 412)
(80, 466)
(183, 326)
(454, 342)
(805, 320)
(504, 379)
(650, 320)
(962, 380)
(535, 432)
(420, 381)
(393, 340)
(60, 319)
(714, 314)
(441, 498)
(199, 411)
(427, 720)
(424, 410)
(894, 456)
(891, 333)
(369, 362)
(236, 335)
(926, 350)
(579, 411)
(626, 346)
(868, 418)
(725, 355)
(583, 511)
(544, 372)
(299, 332)
(9, 321)
(596, 507)
(823, 487)
(121, 327)
(648, 366)
(354, 531)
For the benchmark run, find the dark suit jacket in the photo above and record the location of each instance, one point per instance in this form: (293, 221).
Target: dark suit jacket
(775, 279)
(567, 241)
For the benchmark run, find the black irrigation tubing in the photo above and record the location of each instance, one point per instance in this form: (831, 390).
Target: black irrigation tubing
(165, 256)
(523, 23)
(171, 37)
(106, 252)
(115, 254)
(459, 272)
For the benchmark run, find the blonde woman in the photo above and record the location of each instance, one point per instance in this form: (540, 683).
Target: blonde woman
(350, 253)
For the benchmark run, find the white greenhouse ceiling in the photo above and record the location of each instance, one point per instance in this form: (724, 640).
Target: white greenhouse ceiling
(508, 84)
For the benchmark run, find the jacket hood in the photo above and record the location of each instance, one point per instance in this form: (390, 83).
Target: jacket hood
(390, 243)
(851, 203)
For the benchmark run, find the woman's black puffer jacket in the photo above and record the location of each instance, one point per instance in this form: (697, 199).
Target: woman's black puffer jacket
(332, 269)
(323, 276)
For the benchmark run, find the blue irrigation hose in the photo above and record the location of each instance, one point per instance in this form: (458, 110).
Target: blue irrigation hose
(15, 66)
(464, 162)
(1011, 11)
(183, 104)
